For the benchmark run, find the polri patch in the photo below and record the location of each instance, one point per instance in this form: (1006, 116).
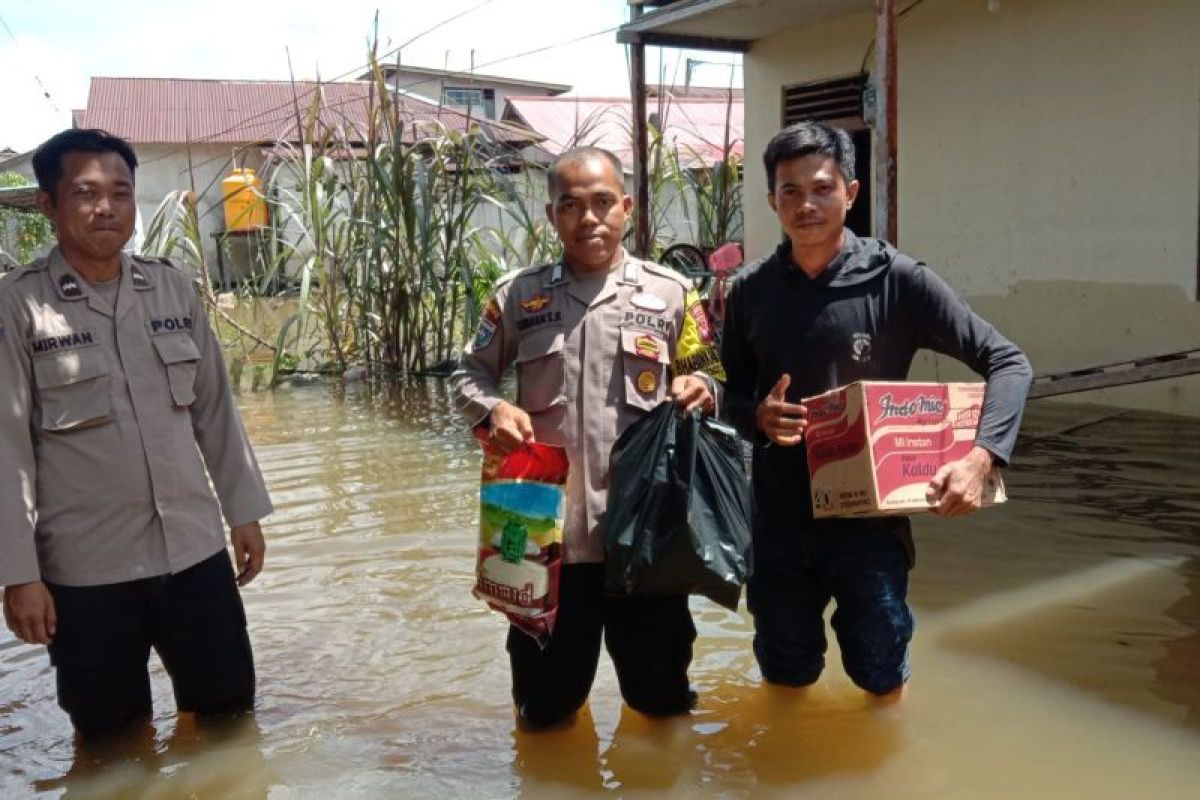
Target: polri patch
(647, 381)
(170, 324)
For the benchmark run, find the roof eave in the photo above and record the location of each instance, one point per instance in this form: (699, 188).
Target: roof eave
(728, 25)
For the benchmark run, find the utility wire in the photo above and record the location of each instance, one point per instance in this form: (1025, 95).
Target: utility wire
(512, 57)
(36, 77)
(871, 45)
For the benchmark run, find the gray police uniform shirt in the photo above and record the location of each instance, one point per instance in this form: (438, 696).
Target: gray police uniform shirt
(593, 354)
(109, 416)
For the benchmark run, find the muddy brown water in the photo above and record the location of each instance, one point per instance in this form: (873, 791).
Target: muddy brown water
(1057, 651)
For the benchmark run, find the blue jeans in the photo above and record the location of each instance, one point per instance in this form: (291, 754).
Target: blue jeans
(862, 565)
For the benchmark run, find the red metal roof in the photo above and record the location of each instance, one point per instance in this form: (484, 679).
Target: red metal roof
(695, 126)
(179, 110)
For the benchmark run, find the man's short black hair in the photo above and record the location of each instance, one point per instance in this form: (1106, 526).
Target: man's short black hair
(805, 139)
(47, 159)
(576, 155)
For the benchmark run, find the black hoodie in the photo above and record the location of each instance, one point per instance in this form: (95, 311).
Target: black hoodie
(863, 318)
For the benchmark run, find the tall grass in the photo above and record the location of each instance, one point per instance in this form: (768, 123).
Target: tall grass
(379, 222)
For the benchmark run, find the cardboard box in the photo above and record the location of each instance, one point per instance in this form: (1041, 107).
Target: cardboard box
(873, 446)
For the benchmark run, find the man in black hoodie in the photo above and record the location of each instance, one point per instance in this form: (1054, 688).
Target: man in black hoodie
(825, 309)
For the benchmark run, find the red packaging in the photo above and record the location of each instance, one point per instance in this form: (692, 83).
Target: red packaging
(521, 499)
(873, 446)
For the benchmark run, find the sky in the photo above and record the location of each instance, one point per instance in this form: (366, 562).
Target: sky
(55, 46)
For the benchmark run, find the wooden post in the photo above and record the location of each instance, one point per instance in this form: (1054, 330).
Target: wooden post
(885, 125)
(641, 146)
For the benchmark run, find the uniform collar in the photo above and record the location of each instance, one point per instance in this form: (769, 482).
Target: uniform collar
(71, 286)
(629, 273)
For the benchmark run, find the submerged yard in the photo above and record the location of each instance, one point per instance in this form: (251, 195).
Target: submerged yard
(1055, 653)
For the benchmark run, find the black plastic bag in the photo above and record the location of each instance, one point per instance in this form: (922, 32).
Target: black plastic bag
(679, 509)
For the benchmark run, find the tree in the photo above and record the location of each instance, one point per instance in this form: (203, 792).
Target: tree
(22, 233)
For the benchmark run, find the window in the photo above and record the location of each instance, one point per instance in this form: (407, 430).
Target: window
(839, 102)
(478, 100)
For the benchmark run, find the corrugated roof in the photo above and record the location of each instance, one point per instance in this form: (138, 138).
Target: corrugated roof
(23, 198)
(179, 110)
(696, 92)
(695, 126)
(389, 70)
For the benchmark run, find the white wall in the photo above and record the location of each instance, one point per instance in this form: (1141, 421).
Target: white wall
(1049, 168)
(430, 87)
(163, 168)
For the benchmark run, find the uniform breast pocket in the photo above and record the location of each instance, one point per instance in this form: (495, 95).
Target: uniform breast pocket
(541, 370)
(181, 358)
(73, 390)
(644, 359)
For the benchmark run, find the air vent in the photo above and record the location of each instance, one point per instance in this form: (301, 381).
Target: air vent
(839, 101)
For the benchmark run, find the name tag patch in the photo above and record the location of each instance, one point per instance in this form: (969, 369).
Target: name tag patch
(63, 341)
(525, 323)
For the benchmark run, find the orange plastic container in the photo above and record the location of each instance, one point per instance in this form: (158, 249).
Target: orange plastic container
(245, 206)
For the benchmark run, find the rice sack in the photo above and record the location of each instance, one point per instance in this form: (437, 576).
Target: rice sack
(520, 534)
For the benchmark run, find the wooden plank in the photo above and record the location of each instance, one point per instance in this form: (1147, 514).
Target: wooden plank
(21, 198)
(1123, 373)
(641, 146)
(886, 129)
(718, 44)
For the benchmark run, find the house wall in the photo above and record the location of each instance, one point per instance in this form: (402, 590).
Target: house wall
(1049, 168)
(163, 168)
(430, 87)
(673, 222)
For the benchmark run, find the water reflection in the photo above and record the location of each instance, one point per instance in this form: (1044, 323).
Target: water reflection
(1056, 647)
(216, 759)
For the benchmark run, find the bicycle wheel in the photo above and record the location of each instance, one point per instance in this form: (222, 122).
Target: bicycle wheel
(689, 261)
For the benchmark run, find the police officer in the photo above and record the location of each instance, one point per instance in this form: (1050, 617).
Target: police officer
(598, 339)
(114, 402)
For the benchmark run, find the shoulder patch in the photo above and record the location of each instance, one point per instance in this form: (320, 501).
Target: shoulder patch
(522, 272)
(666, 272)
(9, 279)
(141, 259)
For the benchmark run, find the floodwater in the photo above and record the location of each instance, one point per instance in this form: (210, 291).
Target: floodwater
(1057, 651)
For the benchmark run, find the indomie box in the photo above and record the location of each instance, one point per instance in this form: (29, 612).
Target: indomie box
(873, 446)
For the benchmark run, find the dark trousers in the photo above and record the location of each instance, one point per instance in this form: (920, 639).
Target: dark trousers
(862, 565)
(195, 621)
(649, 640)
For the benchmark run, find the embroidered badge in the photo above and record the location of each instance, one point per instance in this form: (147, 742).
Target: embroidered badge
(140, 281)
(535, 303)
(647, 381)
(485, 334)
(647, 347)
(69, 287)
(488, 323)
(860, 347)
(703, 325)
(649, 302)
